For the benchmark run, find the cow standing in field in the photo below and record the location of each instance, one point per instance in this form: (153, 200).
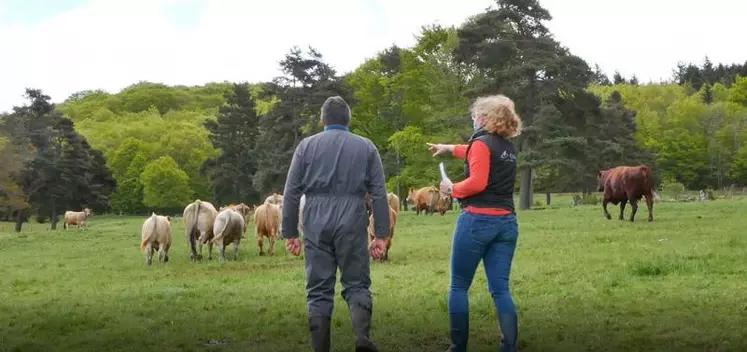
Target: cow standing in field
(267, 224)
(625, 184)
(242, 209)
(420, 198)
(434, 196)
(156, 233)
(444, 203)
(77, 218)
(392, 222)
(199, 217)
(391, 198)
(276, 199)
(393, 201)
(228, 227)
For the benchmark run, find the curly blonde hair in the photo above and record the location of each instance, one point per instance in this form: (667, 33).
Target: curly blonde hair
(499, 115)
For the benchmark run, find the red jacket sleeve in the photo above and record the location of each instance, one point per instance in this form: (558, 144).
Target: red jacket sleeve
(460, 151)
(479, 168)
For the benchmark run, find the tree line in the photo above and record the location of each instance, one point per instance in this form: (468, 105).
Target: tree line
(158, 147)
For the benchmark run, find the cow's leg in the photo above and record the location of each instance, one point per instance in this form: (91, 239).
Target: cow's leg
(200, 241)
(633, 209)
(650, 206)
(221, 250)
(160, 252)
(622, 207)
(271, 240)
(148, 253)
(210, 250)
(259, 240)
(604, 207)
(236, 249)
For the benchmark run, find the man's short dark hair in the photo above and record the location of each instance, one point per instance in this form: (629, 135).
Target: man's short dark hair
(335, 111)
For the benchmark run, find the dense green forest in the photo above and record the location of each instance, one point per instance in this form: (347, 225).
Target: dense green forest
(157, 147)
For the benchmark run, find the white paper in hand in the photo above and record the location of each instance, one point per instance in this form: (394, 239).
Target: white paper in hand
(443, 172)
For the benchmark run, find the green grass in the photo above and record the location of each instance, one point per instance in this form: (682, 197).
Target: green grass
(580, 282)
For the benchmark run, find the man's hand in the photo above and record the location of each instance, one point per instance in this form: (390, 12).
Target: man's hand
(293, 245)
(378, 247)
(437, 149)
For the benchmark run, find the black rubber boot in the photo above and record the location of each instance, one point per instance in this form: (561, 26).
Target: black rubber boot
(459, 329)
(360, 318)
(510, 332)
(319, 326)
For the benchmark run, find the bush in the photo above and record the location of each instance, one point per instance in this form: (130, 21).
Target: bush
(590, 199)
(673, 188)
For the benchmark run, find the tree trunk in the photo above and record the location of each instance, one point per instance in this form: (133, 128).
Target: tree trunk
(53, 219)
(547, 198)
(19, 220)
(525, 189)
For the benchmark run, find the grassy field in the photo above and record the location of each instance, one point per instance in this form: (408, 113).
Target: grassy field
(580, 282)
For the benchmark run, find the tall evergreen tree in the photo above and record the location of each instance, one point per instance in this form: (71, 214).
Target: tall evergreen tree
(307, 81)
(234, 132)
(515, 54)
(63, 171)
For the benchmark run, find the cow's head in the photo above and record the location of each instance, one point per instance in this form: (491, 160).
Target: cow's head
(242, 209)
(410, 195)
(601, 174)
(87, 211)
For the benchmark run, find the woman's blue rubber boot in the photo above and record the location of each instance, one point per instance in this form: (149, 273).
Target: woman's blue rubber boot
(509, 330)
(459, 327)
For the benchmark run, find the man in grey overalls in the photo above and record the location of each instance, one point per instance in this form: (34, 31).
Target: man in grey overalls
(334, 169)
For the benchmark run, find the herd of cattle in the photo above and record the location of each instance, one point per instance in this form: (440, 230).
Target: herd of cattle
(203, 224)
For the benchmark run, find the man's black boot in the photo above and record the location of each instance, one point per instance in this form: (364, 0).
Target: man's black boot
(360, 317)
(319, 326)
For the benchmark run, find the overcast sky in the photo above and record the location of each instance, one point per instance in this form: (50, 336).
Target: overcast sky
(65, 46)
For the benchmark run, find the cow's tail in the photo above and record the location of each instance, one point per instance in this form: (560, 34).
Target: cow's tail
(221, 231)
(271, 218)
(145, 240)
(193, 226)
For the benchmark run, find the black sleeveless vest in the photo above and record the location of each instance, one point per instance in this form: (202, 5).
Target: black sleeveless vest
(499, 193)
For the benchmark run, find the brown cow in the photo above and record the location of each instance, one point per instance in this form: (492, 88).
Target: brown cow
(77, 218)
(624, 184)
(443, 203)
(392, 222)
(228, 227)
(198, 218)
(267, 224)
(156, 232)
(420, 198)
(277, 199)
(393, 200)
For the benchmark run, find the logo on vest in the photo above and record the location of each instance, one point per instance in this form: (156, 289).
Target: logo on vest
(506, 156)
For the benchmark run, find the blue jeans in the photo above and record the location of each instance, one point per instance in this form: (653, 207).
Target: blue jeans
(492, 239)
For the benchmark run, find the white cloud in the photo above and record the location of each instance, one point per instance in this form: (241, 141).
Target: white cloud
(110, 44)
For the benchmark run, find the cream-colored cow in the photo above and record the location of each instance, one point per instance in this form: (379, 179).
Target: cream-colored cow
(156, 233)
(199, 217)
(77, 218)
(228, 227)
